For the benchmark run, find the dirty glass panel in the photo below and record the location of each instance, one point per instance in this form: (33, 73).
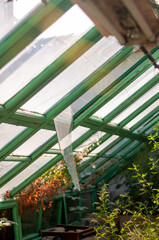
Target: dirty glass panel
(71, 77)
(105, 144)
(105, 82)
(148, 95)
(33, 142)
(127, 149)
(5, 166)
(127, 92)
(142, 126)
(117, 146)
(8, 132)
(90, 141)
(12, 12)
(47, 47)
(143, 114)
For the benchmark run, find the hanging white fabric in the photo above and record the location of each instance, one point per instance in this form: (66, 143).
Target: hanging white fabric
(63, 126)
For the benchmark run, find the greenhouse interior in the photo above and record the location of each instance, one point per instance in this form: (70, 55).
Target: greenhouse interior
(79, 111)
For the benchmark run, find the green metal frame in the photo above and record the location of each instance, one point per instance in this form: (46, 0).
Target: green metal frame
(11, 45)
(12, 203)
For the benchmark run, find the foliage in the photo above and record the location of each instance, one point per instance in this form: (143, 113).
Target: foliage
(4, 222)
(104, 219)
(40, 193)
(143, 222)
(79, 156)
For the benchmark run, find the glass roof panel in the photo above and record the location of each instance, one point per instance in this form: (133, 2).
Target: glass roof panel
(78, 132)
(143, 114)
(12, 12)
(105, 144)
(106, 81)
(8, 132)
(124, 114)
(94, 138)
(71, 77)
(128, 147)
(47, 47)
(117, 146)
(127, 92)
(75, 134)
(5, 166)
(33, 142)
(140, 128)
(150, 130)
(26, 173)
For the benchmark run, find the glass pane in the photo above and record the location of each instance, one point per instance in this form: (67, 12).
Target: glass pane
(105, 144)
(6, 166)
(117, 146)
(142, 114)
(71, 77)
(136, 104)
(142, 126)
(127, 92)
(47, 47)
(106, 81)
(75, 134)
(78, 132)
(26, 173)
(11, 12)
(8, 132)
(94, 138)
(150, 130)
(128, 148)
(33, 142)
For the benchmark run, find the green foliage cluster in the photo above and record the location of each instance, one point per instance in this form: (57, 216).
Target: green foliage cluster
(141, 211)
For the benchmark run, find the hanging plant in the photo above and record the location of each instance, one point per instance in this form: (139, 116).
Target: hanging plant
(40, 193)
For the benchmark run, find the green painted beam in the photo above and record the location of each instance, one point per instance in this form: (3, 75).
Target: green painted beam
(17, 227)
(88, 162)
(145, 119)
(139, 110)
(146, 87)
(39, 223)
(134, 147)
(112, 129)
(116, 87)
(103, 176)
(58, 152)
(16, 142)
(32, 121)
(31, 27)
(17, 159)
(53, 70)
(100, 154)
(9, 203)
(118, 140)
(65, 210)
(46, 167)
(59, 216)
(18, 168)
(65, 102)
(90, 81)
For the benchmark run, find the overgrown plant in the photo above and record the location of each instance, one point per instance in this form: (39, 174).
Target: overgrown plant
(143, 220)
(105, 220)
(40, 193)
